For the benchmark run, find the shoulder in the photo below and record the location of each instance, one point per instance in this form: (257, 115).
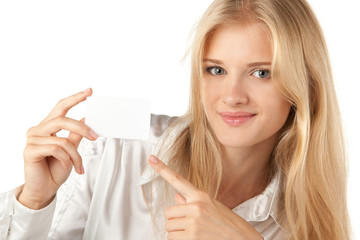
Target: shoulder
(159, 124)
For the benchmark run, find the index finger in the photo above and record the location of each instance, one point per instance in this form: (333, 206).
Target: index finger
(64, 105)
(173, 178)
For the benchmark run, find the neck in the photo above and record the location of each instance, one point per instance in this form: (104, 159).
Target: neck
(245, 172)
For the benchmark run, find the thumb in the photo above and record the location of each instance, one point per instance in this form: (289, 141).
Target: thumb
(75, 138)
(179, 199)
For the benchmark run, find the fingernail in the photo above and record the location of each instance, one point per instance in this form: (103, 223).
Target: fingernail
(153, 159)
(87, 90)
(82, 170)
(93, 134)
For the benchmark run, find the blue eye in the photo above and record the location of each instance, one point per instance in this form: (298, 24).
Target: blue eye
(216, 71)
(262, 73)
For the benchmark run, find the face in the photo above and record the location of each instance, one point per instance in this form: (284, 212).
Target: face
(237, 92)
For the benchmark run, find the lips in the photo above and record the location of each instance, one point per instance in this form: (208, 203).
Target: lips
(236, 119)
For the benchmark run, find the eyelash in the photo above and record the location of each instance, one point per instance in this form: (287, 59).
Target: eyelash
(208, 70)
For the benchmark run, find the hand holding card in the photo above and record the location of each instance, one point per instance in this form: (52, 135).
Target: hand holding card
(119, 117)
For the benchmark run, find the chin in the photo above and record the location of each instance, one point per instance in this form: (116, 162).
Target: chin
(236, 143)
(232, 139)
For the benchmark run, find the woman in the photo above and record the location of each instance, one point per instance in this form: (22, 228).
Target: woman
(258, 155)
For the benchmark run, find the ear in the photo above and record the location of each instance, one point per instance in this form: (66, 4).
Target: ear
(179, 199)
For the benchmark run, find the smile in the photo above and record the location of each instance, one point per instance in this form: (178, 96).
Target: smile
(235, 119)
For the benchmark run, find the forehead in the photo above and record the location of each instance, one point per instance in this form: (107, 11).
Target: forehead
(239, 42)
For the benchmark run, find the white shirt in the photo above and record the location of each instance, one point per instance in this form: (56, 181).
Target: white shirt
(108, 202)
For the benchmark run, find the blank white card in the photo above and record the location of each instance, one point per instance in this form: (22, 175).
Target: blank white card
(115, 117)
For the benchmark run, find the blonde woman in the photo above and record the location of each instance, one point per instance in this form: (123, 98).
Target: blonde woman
(259, 154)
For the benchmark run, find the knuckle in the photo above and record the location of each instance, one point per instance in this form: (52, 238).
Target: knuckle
(192, 222)
(61, 102)
(167, 227)
(56, 149)
(60, 106)
(59, 119)
(64, 142)
(78, 127)
(170, 236)
(29, 140)
(161, 168)
(203, 195)
(27, 150)
(177, 177)
(167, 213)
(30, 131)
(196, 233)
(173, 236)
(195, 230)
(198, 209)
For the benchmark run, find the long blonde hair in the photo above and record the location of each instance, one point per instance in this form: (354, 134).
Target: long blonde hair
(310, 150)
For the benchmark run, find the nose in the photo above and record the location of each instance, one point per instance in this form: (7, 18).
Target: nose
(235, 92)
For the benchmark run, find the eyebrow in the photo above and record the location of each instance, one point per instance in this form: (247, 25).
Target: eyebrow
(252, 64)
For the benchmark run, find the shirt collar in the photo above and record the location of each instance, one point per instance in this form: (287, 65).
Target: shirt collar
(260, 207)
(256, 209)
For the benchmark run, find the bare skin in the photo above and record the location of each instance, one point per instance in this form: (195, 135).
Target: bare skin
(48, 159)
(236, 60)
(237, 80)
(196, 215)
(242, 179)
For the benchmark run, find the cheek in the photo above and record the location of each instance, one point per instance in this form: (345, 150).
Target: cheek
(283, 112)
(273, 105)
(273, 99)
(277, 110)
(283, 106)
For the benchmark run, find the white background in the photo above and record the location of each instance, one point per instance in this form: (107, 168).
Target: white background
(53, 49)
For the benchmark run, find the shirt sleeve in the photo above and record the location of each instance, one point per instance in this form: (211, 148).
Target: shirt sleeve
(65, 217)
(20, 222)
